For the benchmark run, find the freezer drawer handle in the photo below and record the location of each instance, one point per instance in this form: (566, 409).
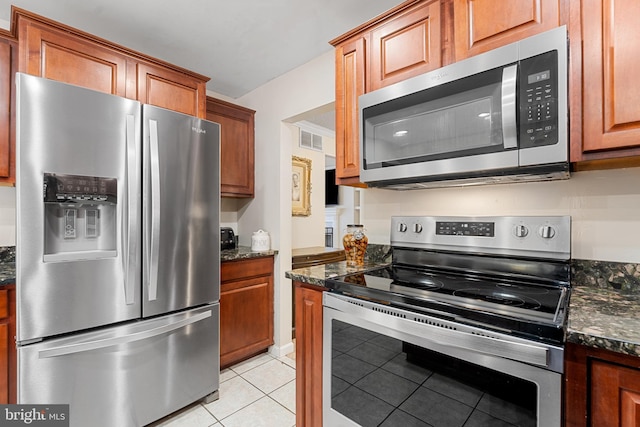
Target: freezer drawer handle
(125, 339)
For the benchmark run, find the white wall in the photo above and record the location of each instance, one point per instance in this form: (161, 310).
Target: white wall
(308, 231)
(7, 216)
(604, 208)
(299, 91)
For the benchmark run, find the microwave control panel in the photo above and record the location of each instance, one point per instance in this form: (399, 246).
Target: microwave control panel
(538, 100)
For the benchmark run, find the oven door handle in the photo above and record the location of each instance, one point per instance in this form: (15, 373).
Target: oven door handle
(443, 333)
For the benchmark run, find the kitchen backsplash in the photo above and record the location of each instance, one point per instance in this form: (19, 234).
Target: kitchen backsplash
(623, 277)
(378, 253)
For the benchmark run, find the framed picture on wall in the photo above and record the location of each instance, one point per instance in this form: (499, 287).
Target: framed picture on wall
(300, 186)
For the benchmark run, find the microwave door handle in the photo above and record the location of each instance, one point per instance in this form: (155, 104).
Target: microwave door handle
(509, 128)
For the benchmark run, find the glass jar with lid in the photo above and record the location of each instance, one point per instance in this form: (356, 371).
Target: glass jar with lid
(355, 243)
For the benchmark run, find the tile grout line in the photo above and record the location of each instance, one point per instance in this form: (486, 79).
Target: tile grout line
(220, 421)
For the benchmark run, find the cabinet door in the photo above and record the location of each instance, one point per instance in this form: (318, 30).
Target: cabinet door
(171, 89)
(482, 25)
(406, 46)
(5, 347)
(350, 84)
(615, 395)
(4, 362)
(7, 137)
(308, 356)
(246, 319)
(246, 308)
(610, 62)
(236, 147)
(62, 56)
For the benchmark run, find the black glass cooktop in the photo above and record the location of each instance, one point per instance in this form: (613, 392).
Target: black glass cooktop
(502, 303)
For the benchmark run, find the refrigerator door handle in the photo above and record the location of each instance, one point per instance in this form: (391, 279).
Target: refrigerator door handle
(124, 339)
(131, 210)
(154, 247)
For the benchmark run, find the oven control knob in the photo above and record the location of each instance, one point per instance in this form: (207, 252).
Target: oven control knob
(520, 231)
(547, 232)
(402, 227)
(417, 228)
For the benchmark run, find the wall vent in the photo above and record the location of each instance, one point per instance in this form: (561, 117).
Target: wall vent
(310, 140)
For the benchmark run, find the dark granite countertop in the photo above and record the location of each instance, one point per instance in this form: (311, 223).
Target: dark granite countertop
(375, 256)
(317, 274)
(243, 252)
(7, 265)
(604, 318)
(604, 311)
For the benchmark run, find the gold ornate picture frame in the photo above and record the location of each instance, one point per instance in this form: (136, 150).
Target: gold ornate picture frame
(300, 186)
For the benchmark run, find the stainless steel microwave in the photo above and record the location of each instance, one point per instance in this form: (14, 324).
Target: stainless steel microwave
(500, 116)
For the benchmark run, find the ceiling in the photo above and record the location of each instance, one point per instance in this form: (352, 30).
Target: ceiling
(240, 44)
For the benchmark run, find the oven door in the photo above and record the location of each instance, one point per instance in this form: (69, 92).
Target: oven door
(388, 367)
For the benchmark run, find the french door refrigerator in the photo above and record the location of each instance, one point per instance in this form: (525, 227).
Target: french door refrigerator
(117, 255)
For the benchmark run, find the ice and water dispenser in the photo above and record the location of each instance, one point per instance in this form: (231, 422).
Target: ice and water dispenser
(80, 217)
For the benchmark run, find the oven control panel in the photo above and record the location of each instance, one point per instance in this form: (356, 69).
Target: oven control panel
(535, 236)
(472, 228)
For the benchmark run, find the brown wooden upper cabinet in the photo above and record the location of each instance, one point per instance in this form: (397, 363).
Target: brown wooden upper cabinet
(483, 25)
(605, 57)
(55, 51)
(45, 48)
(56, 54)
(237, 148)
(171, 89)
(392, 47)
(8, 65)
(350, 83)
(406, 46)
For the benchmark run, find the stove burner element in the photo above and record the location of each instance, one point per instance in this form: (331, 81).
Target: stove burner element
(498, 298)
(532, 290)
(428, 284)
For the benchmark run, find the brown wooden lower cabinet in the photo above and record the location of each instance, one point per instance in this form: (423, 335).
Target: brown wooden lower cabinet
(308, 299)
(8, 356)
(246, 308)
(602, 388)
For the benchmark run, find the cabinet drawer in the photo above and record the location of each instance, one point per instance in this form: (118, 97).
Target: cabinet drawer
(245, 268)
(4, 303)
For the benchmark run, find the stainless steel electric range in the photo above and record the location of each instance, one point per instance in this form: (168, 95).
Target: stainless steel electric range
(465, 327)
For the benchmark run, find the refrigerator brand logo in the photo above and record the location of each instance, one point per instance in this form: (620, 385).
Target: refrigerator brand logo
(35, 415)
(198, 130)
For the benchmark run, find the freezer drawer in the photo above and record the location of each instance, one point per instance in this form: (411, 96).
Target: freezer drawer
(128, 375)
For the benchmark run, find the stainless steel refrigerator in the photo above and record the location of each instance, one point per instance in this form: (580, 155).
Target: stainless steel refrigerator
(117, 255)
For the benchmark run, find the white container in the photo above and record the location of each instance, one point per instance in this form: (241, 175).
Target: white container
(260, 241)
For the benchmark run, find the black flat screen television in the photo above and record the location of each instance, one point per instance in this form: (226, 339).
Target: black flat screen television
(330, 188)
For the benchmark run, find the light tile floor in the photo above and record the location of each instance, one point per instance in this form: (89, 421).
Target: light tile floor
(259, 392)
